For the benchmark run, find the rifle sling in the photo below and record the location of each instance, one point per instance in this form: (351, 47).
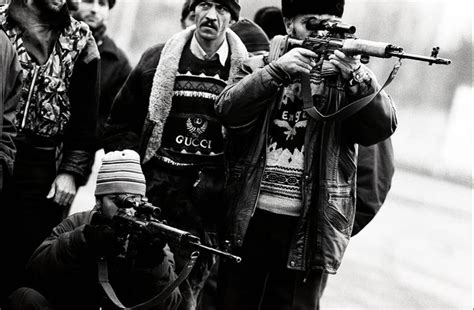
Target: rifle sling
(108, 289)
(345, 111)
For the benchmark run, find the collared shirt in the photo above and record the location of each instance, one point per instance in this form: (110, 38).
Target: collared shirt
(222, 52)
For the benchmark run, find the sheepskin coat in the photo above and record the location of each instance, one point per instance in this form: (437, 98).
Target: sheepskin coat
(143, 104)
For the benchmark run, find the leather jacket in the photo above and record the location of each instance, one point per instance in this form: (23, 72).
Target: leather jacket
(330, 157)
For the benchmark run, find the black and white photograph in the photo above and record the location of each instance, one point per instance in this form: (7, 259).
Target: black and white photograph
(236, 154)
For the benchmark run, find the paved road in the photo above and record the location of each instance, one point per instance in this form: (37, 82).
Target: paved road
(415, 254)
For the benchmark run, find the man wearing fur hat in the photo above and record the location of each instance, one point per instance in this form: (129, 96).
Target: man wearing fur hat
(165, 109)
(290, 194)
(114, 65)
(62, 272)
(56, 122)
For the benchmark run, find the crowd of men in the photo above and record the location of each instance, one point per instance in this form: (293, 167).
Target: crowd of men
(212, 128)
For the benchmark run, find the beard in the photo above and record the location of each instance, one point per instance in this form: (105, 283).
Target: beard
(54, 12)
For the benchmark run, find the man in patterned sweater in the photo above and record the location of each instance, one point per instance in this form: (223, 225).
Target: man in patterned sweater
(165, 110)
(291, 188)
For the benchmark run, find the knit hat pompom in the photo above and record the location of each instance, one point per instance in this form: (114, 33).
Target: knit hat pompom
(232, 5)
(291, 8)
(252, 35)
(120, 173)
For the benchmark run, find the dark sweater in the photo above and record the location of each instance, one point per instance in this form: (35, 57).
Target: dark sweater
(192, 134)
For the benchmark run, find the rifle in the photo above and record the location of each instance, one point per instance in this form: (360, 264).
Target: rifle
(334, 35)
(340, 36)
(141, 222)
(146, 220)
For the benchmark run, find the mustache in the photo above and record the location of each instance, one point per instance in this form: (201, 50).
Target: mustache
(209, 23)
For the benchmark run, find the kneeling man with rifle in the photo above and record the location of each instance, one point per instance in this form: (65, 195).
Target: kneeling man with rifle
(112, 257)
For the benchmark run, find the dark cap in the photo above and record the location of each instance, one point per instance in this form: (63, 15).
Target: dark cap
(232, 5)
(271, 21)
(252, 35)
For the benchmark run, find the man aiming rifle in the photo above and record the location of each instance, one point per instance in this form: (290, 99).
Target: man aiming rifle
(290, 191)
(63, 271)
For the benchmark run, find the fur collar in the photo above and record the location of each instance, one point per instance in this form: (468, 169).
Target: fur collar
(165, 74)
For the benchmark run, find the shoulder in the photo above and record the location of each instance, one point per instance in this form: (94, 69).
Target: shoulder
(150, 58)
(78, 37)
(110, 48)
(73, 221)
(153, 52)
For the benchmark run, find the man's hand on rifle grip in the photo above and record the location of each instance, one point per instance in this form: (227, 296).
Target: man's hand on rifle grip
(297, 60)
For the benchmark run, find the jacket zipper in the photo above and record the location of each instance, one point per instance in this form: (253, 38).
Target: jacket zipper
(30, 94)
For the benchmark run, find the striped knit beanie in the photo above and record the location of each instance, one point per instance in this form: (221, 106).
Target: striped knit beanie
(119, 173)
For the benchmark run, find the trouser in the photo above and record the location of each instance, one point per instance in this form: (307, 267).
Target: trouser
(189, 200)
(27, 216)
(262, 280)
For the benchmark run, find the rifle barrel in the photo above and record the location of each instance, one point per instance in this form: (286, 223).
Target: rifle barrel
(237, 259)
(430, 60)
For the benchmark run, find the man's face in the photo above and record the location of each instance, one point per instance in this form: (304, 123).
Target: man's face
(49, 6)
(111, 204)
(296, 26)
(93, 12)
(212, 19)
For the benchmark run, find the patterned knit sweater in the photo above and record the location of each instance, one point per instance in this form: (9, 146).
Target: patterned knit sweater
(281, 185)
(192, 135)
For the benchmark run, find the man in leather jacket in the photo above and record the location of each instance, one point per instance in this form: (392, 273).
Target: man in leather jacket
(290, 188)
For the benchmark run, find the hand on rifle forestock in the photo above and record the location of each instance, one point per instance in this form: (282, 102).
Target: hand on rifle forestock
(346, 65)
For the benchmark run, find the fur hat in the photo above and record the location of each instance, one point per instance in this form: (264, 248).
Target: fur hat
(120, 173)
(291, 8)
(252, 35)
(232, 5)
